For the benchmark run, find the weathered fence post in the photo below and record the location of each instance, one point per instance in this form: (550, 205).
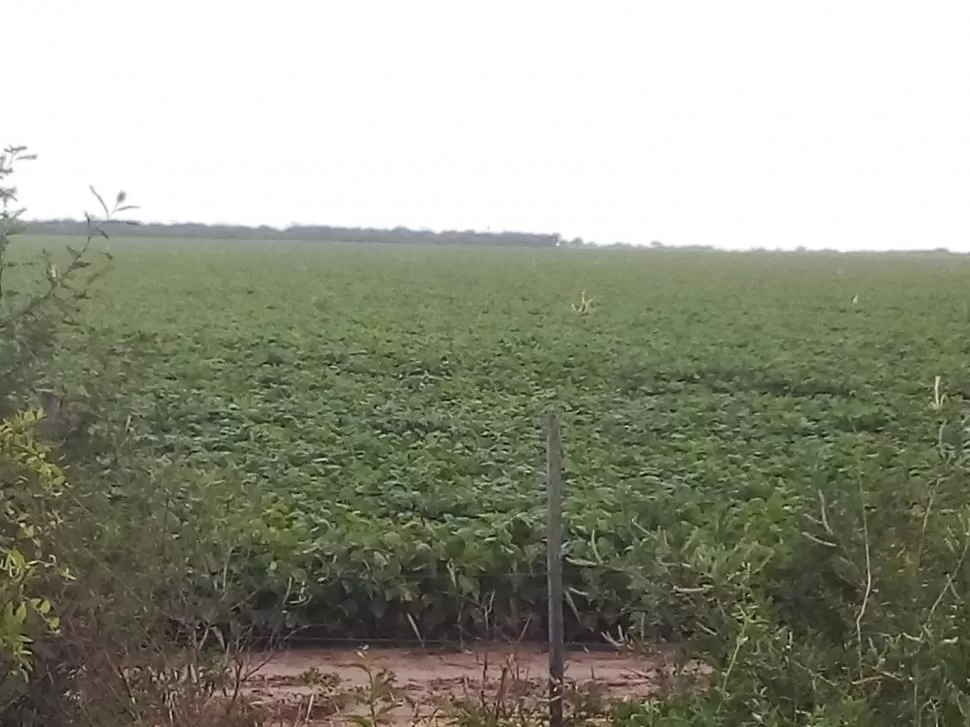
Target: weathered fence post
(554, 569)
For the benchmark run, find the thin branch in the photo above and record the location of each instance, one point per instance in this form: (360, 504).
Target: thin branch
(865, 599)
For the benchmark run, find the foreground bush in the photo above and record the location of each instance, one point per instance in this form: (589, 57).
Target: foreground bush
(846, 606)
(31, 489)
(115, 566)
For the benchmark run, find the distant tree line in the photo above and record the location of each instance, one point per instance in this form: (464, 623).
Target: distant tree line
(399, 235)
(309, 233)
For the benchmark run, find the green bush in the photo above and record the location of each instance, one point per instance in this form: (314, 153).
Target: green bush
(843, 606)
(120, 595)
(31, 486)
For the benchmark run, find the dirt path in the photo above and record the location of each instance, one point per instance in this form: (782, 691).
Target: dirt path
(315, 686)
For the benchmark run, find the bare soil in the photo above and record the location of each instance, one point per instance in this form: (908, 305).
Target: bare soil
(327, 686)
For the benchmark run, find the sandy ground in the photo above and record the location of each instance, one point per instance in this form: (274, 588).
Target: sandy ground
(326, 686)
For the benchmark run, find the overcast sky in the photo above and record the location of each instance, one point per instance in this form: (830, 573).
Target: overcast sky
(838, 123)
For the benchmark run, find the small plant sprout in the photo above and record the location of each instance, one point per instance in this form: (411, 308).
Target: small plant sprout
(379, 695)
(585, 305)
(939, 398)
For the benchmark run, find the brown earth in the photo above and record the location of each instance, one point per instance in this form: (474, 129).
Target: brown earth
(326, 686)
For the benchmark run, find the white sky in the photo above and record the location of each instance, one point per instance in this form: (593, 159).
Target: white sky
(834, 123)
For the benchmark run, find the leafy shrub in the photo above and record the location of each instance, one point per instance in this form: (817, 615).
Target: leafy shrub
(119, 596)
(855, 613)
(31, 487)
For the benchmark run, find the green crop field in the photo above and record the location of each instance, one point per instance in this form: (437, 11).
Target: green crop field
(387, 402)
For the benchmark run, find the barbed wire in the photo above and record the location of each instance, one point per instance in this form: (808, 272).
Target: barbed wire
(458, 644)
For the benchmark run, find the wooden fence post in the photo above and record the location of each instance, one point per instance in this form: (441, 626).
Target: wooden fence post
(554, 569)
